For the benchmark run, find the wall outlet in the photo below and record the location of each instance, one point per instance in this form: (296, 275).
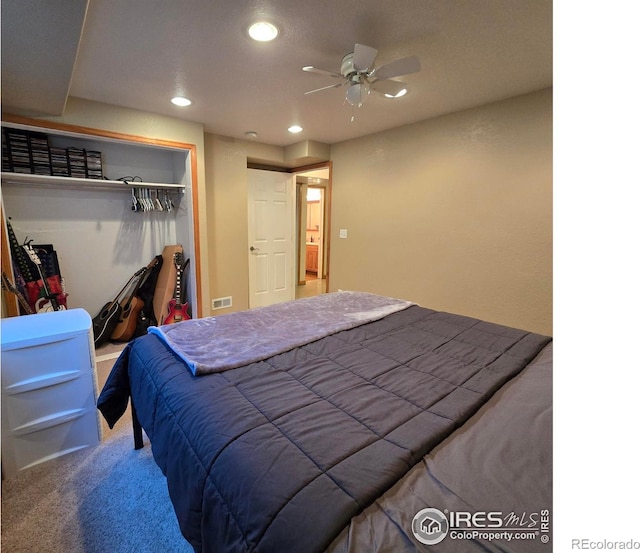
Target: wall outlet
(221, 303)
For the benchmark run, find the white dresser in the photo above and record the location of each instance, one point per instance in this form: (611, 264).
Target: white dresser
(48, 388)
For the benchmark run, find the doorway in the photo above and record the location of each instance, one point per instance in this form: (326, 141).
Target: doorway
(314, 231)
(313, 207)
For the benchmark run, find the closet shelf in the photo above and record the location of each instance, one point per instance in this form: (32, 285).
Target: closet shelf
(29, 179)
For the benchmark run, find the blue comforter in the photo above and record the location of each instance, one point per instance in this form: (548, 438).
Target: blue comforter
(279, 455)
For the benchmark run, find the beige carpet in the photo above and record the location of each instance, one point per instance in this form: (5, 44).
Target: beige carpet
(108, 498)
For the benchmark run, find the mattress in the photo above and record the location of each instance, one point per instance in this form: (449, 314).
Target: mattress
(294, 451)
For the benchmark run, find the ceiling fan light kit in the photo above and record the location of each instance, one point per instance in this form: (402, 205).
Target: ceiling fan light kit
(357, 69)
(357, 93)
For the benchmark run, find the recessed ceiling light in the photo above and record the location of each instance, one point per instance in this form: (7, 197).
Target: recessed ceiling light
(295, 129)
(399, 94)
(181, 101)
(263, 31)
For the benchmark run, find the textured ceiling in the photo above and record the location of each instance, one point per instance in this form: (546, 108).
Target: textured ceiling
(140, 53)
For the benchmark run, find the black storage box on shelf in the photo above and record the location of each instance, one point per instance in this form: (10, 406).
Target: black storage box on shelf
(94, 164)
(40, 156)
(59, 162)
(19, 151)
(30, 152)
(77, 162)
(6, 159)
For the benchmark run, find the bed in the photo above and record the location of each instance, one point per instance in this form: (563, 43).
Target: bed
(343, 423)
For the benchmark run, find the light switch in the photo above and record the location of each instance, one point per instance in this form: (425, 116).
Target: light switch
(343, 233)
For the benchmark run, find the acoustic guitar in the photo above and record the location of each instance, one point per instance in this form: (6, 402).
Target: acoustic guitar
(177, 309)
(131, 307)
(106, 320)
(50, 301)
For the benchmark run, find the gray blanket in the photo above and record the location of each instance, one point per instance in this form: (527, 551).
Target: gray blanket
(216, 344)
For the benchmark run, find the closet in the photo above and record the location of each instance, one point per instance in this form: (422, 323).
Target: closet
(142, 197)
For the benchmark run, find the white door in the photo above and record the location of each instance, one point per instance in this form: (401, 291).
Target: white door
(271, 208)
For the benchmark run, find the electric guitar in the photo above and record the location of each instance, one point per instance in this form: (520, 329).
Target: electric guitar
(50, 301)
(131, 307)
(177, 309)
(7, 285)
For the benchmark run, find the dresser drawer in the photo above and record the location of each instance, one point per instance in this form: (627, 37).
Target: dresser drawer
(44, 398)
(75, 431)
(37, 361)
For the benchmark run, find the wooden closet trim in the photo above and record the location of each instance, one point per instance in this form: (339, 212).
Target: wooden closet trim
(9, 301)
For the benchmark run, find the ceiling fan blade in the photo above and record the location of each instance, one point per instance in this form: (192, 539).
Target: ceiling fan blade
(325, 88)
(402, 66)
(389, 88)
(363, 57)
(311, 69)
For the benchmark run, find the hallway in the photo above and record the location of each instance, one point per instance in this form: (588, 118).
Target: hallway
(311, 288)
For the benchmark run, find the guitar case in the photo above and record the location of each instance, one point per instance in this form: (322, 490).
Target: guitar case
(185, 289)
(146, 317)
(26, 274)
(51, 270)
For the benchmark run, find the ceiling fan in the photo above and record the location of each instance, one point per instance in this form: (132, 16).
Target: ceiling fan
(359, 72)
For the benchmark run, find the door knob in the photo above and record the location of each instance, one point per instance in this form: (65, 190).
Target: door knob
(254, 249)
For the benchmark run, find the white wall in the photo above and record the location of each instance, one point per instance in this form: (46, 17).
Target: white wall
(100, 241)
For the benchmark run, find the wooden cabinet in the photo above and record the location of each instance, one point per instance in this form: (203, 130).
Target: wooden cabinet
(101, 240)
(312, 258)
(48, 388)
